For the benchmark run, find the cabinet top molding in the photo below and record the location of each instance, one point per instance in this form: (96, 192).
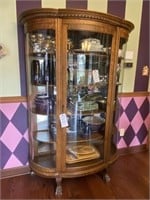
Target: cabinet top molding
(75, 14)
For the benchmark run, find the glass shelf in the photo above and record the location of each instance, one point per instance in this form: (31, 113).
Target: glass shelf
(45, 136)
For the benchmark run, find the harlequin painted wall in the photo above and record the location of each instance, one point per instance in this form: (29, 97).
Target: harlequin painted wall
(133, 114)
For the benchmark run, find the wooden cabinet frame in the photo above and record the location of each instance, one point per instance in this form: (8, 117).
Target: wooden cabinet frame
(62, 21)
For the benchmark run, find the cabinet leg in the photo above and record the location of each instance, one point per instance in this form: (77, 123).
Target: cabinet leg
(32, 173)
(105, 176)
(58, 191)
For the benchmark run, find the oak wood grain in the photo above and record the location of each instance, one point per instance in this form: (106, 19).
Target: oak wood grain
(129, 180)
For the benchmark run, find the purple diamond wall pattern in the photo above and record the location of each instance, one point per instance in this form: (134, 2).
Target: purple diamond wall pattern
(133, 116)
(14, 143)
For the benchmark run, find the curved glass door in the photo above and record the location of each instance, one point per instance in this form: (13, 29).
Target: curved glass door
(42, 96)
(118, 89)
(87, 82)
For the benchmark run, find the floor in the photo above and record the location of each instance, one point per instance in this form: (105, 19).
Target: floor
(129, 180)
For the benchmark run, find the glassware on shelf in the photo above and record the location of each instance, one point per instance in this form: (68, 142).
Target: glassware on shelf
(91, 44)
(41, 43)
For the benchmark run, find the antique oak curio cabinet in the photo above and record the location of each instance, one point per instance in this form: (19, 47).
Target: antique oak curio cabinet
(73, 64)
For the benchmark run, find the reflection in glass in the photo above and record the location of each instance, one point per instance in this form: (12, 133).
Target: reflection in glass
(88, 73)
(119, 83)
(42, 95)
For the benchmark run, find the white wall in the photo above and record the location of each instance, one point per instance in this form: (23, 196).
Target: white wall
(53, 3)
(9, 65)
(133, 13)
(98, 5)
